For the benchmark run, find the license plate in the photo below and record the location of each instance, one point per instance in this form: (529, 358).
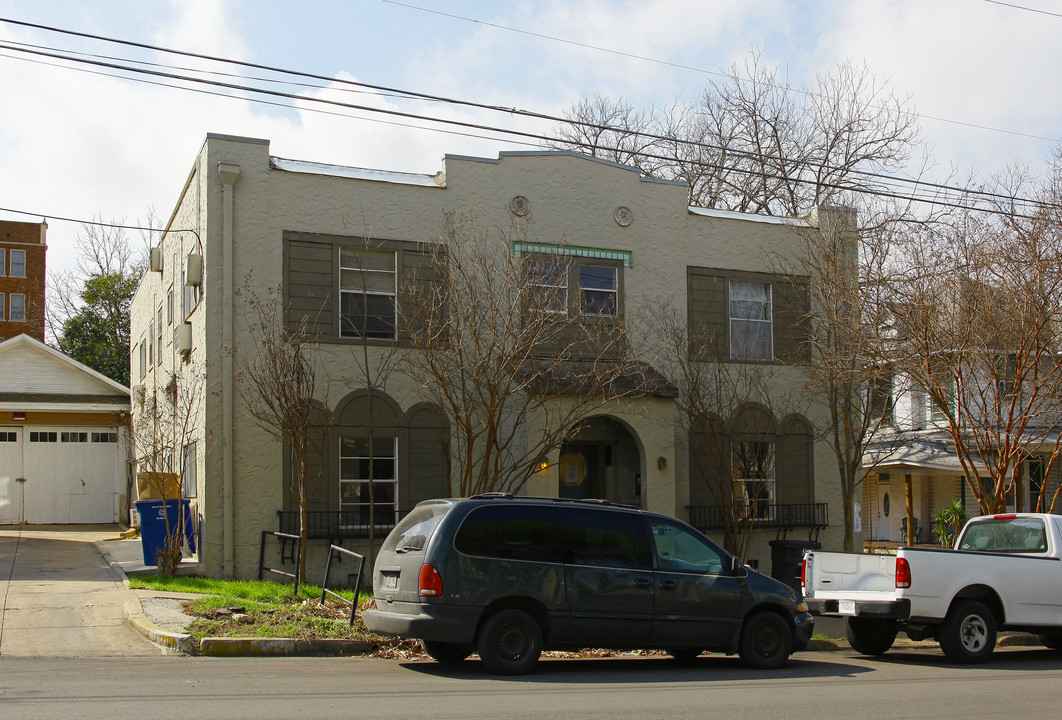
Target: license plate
(846, 607)
(390, 581)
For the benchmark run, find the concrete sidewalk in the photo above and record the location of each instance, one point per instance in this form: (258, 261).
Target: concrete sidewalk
(61, 597)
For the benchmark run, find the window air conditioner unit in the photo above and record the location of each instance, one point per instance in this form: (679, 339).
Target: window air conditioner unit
(193, 270)
(184, 338)
(156, 259)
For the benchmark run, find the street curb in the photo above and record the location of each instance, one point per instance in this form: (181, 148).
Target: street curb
(237, 647)
(168, 641)
(179, 643)
(818, 645)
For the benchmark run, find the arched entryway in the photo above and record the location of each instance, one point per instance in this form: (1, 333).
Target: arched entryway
(601, 459)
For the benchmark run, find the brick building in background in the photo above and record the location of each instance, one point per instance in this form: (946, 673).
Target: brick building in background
(22, 251)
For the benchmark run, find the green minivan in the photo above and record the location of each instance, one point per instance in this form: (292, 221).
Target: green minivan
(507, 577)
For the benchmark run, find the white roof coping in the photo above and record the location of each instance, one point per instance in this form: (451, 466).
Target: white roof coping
(388, 176)
(747, 217)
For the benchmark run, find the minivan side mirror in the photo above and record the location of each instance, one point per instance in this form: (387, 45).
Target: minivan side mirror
(735, 566)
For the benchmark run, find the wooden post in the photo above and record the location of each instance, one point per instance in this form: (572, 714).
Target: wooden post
(910, 508)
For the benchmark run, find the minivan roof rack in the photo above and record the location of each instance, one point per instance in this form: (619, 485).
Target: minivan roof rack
(586, 501)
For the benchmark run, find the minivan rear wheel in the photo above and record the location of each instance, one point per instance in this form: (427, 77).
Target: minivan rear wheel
(509, 642)
(445, 652)
(766, 640)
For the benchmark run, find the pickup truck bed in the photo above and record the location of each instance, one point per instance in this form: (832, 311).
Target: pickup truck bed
(1004, 574)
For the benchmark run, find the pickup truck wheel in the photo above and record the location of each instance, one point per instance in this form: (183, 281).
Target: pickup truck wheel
(509, 642)
(968, 634)
(766, 641)
(445, 652)
(870, 636)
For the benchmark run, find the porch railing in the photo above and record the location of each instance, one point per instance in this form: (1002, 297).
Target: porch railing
(338, 524)
(768, 517)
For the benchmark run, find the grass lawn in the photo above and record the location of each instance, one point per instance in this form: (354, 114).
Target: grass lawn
(246, 608)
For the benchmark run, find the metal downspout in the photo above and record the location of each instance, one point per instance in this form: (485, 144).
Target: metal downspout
(228, 173)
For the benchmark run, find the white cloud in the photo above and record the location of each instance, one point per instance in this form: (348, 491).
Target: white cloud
(77, 144)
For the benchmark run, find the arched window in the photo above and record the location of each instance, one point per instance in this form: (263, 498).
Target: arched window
(368, 450)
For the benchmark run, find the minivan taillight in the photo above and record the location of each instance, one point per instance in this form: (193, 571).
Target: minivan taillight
(430, 581)
(804, 573)
(903, 573)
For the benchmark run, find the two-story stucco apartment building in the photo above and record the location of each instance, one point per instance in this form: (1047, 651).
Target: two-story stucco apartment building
(244, 216)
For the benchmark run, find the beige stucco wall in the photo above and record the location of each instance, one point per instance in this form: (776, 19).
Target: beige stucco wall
(572, 199)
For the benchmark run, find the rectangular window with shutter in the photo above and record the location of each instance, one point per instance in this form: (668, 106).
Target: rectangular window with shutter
(751, 327)
(368, 292)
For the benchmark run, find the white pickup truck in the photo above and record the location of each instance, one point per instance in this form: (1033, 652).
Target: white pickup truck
(1005, 573)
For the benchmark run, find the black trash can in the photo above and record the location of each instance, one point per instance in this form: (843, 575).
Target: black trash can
(786, 558)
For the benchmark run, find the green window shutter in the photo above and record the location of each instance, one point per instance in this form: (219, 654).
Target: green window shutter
(309, 276)
(793, 466)
(418, 276)
(708, 317)
(790, 322)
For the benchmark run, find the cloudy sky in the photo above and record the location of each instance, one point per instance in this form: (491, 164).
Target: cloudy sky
(77, 142)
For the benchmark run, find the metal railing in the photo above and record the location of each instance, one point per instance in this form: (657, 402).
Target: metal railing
(767, 517)
(332, 551)
(338, 524)
(284, 538)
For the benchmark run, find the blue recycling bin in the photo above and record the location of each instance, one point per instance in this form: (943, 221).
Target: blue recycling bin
(153, 530)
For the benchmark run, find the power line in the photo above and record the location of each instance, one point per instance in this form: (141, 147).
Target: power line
(717, 73)
(442, 99)
(99, 223)
(535, 115)
(65, 55)
(1010, 5)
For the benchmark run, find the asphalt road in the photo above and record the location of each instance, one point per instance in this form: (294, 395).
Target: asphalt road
(823, 686)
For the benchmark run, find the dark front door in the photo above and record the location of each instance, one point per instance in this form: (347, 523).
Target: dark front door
(697, 602)
(608, 579)
(579, 472)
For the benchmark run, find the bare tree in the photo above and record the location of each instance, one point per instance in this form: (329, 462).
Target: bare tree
(981, 310)
(847, 277)
(277, 377)
(513, 365)
(102, 249)
(754, 142)
(613, 130)
(166, 415)
(374, 363)
(725, 410)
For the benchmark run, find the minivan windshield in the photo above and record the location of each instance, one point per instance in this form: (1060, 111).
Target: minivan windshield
(412, 533)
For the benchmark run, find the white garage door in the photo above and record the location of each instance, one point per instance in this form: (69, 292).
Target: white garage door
(72, 475)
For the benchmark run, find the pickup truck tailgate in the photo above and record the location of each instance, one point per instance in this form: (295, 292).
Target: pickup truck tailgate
(834, 574)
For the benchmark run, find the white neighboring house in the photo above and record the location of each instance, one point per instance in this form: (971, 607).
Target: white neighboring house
(63, 446)
(919, 448)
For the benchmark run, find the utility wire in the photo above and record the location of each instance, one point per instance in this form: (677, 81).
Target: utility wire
(511, 111)
(477, 126)
(1010, 5)
(63, 55)
(717, 73)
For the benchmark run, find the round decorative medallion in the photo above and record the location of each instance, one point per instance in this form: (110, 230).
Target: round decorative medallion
(624, 216)
(519, 205)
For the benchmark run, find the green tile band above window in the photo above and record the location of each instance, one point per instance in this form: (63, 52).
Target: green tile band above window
(520, 248)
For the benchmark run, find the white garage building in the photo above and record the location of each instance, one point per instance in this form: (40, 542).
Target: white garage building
(63, 445)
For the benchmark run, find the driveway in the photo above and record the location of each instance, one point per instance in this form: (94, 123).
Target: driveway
(60, 598)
